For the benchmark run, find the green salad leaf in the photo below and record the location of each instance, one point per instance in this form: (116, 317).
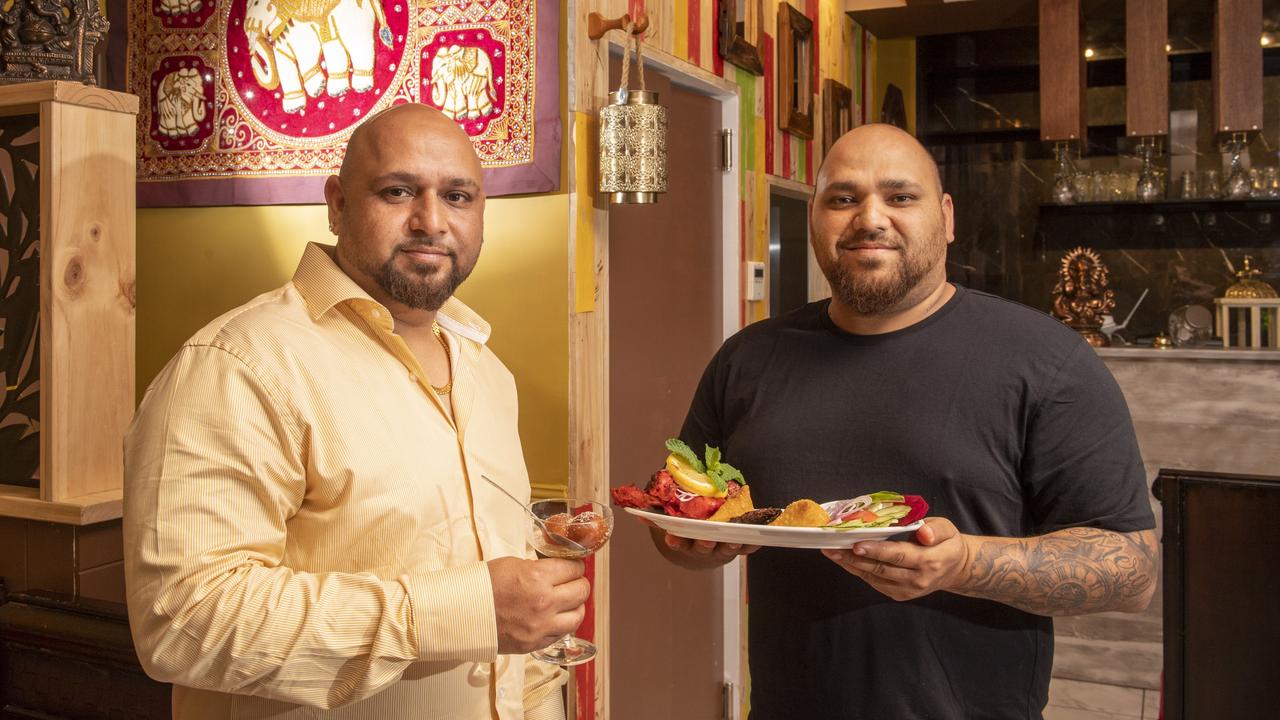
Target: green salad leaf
(676, 446)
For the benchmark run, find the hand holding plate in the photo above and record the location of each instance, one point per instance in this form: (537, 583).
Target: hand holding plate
(697, 554)
(936, 560)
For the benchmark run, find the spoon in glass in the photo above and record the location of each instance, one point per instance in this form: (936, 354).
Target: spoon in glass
(556, 537)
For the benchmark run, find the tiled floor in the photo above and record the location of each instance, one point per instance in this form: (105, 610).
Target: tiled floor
(1075, 700)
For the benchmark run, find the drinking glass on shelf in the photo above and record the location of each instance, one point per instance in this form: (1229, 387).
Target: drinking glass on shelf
(588, 525)
(1080, 185)
(1271, 181)
(1097, 186)
(1210, 185)
(1115, 186)
(1187, 187)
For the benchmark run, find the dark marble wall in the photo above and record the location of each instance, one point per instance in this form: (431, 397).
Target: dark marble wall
(1000, 174)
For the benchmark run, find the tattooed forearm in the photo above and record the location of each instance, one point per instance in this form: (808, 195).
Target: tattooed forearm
(1069, 572)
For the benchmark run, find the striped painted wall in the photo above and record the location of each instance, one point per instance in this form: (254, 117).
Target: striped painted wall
(846, 52)
(686, 30)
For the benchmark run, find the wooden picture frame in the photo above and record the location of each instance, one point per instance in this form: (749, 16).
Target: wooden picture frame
(795, 72)
(739, 26)
(837, 112)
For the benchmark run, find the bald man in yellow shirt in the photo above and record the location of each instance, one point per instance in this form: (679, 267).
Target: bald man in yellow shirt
(307, 533)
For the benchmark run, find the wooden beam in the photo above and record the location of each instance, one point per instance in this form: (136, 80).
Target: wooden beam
(1062, 71)
(1146, 30)
(1237, 66)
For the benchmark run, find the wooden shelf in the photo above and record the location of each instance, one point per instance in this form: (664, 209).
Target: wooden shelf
(1169, 224)
(97, 507)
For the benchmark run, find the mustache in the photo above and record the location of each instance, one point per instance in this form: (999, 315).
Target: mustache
(412, 245)
(863, 237)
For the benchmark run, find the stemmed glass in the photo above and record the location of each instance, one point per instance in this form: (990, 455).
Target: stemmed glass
(585, 522)
(1237, 185)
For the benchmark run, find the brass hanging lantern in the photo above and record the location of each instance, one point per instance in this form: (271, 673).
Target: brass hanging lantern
(633, 139)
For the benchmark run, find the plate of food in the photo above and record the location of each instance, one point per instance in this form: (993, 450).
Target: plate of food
(708, 499)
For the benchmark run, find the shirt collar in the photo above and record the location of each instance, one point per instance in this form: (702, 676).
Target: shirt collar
(323, 285)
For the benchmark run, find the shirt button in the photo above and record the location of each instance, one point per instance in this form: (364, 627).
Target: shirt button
(502, 692)
(413, 378)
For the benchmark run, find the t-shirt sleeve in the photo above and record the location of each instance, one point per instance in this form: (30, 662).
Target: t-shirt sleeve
(703, 425)
(1081, 464)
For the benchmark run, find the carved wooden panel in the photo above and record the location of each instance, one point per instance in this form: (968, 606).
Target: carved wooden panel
(1146, 30)
(20, 300)
(1237, 66)
(1062, 71)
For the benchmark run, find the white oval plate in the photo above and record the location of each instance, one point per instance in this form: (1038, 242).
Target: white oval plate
(767, 535)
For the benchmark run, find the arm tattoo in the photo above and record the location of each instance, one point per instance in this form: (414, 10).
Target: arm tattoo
(1068, 572)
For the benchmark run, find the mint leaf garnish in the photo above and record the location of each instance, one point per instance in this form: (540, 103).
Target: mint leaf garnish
(677, 447)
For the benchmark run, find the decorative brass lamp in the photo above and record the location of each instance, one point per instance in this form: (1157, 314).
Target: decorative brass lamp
(1082, 295)
(1249, 313)
(633, 139)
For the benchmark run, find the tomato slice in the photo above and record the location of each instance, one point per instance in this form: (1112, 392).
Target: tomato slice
(864, 516)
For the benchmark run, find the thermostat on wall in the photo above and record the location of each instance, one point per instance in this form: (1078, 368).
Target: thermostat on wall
(755, 280)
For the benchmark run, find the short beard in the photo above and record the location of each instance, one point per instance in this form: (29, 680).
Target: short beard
(876, 297)
(428, 290)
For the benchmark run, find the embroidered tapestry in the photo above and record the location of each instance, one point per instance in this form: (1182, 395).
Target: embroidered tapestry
(249, 102)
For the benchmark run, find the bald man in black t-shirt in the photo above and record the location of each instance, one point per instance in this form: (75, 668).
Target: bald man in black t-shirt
(1006, 422)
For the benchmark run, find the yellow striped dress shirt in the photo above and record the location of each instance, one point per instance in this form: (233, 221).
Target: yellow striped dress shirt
(305, 525)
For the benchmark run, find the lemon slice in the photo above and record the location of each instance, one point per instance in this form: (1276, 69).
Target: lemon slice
(692, 480)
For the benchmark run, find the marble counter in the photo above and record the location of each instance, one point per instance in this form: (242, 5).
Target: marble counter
(1205, 409)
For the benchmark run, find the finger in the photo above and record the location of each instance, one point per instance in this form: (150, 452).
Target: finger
(867, 569)
(926, 535)
(565, 623)
(936, 530)
(704, 547)
(900, 554)
(729, 550)
(887, 585)
(561, 570)
(677, 543)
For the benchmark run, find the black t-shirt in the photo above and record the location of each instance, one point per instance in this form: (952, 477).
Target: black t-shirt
(1007, 423)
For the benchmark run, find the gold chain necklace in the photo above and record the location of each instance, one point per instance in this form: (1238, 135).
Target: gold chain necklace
(447, 387)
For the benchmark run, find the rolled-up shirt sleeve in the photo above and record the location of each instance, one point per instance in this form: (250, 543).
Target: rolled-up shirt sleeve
(214, 470)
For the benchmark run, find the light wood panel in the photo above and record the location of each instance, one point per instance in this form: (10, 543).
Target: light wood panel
(1237, 66)
(1062, 71)
(1146, 30)
(87, 298)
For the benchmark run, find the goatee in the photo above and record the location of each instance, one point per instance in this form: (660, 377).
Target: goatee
(424, 287)
(867, 289)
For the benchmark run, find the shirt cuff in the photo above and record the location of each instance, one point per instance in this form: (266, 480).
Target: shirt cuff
(453, 614)
(551, 708)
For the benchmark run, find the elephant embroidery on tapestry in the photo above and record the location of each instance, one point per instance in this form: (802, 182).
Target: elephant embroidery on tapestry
(310, 48)
(249, 100)
(462, 83)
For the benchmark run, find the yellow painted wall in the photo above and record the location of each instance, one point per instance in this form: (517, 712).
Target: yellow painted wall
(896, 63)
(194, 264)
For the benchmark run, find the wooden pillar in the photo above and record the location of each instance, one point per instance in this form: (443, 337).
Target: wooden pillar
(1062, 71)
(1146, 67)
(1237, 66)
